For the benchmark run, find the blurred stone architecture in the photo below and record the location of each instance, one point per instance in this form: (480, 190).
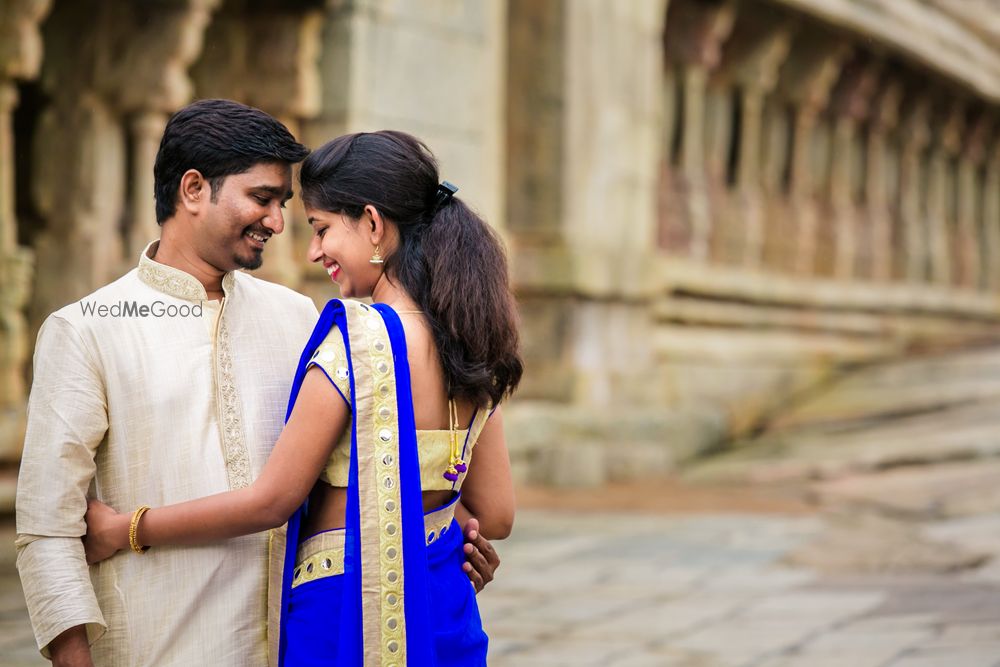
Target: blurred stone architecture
(710, 204)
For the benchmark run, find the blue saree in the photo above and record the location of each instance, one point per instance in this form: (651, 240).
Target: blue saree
(397, 594)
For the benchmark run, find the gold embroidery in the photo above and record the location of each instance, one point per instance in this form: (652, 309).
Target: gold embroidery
(176, 283)
(234, 447)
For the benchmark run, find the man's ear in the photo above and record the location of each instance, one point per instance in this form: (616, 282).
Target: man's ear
(195, 191)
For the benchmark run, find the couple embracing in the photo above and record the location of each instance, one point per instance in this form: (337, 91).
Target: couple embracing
(253, 486)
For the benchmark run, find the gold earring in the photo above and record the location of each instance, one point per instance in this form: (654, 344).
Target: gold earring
(376, 257)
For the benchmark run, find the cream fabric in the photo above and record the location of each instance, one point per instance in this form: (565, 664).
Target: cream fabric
(155, 410)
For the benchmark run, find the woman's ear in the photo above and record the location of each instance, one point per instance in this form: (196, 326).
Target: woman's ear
(194, 191)
(376, 225)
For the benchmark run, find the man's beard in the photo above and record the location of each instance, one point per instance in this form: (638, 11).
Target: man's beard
(250, 264)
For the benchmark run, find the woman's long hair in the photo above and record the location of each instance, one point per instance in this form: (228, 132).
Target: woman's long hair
(448, 260)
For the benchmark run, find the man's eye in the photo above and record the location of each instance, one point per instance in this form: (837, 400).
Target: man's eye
(263, 201)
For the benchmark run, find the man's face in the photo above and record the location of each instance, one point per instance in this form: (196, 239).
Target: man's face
(246, 211)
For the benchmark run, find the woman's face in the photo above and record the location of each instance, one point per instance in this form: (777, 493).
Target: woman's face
(344, 247)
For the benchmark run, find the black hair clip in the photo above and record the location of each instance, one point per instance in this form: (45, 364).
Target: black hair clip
(445, 191)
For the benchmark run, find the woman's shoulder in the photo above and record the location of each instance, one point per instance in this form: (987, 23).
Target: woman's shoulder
(331, 357)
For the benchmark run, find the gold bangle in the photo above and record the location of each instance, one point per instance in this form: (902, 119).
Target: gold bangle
(133, 529)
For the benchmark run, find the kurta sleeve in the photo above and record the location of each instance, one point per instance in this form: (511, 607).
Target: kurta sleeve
(67, 420)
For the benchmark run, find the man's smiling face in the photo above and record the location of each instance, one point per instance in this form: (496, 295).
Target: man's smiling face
(243, 214)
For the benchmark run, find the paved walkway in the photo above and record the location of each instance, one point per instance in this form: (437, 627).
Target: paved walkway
(711, 590)
(695, 590)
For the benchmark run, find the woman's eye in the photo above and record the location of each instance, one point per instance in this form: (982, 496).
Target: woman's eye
(320, 232)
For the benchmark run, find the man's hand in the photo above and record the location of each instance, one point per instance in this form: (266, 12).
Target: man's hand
(70, 649)
(480, 556)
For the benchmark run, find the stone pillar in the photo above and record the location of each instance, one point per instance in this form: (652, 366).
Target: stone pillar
(584, 126)
(884, 118)
(20, 58)
(15, 271)
(146, 128)
(912, 220)
(971, 241)
(807, 79)
(753, 58)
(991, 217)
(850, 107)
(940, 183)
(695, 33)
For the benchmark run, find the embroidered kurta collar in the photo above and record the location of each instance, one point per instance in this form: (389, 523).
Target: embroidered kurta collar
(173, 281)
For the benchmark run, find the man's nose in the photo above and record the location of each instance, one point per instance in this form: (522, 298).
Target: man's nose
(275, 220)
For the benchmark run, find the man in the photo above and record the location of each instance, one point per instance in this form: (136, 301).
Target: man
(168, 384)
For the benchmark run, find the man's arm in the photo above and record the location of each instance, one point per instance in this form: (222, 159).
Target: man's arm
(67, 419)
(71, 648)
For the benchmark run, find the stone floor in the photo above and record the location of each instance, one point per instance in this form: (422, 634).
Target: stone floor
(697, 589)
(715, 590)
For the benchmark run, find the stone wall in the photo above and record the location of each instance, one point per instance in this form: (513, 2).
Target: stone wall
(824, 180)
(710, 204)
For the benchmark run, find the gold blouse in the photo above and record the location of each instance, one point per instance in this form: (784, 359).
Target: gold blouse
(433, 447)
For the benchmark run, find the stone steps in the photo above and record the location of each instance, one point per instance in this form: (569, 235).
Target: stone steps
(936, 408)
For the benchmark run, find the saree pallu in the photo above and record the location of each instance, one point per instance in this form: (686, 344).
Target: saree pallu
(399, 600)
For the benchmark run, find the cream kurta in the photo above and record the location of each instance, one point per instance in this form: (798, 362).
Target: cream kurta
(154, 410)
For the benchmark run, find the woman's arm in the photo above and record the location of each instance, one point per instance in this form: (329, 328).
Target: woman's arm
(488, 492)
(317, 421)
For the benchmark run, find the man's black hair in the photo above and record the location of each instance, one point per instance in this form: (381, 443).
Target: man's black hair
(218, 138)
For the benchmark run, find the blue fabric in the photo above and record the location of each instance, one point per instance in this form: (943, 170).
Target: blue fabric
(333, 313)
(321, 621)
(457, 636)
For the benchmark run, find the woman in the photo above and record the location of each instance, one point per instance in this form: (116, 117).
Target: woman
(388, 404)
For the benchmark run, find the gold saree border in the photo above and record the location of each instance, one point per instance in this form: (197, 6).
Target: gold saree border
(381, 536)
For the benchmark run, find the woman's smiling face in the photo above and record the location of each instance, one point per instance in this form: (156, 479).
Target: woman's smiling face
(344, 247)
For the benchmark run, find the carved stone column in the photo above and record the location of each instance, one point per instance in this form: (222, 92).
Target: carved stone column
(20, 58)
(146, 128)
(912, 222)
(753, 57)
(851, 102)
(694, 36)
(991, 216)
(812, 69)
(884, 118)
(940, 183)
(971, 242)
